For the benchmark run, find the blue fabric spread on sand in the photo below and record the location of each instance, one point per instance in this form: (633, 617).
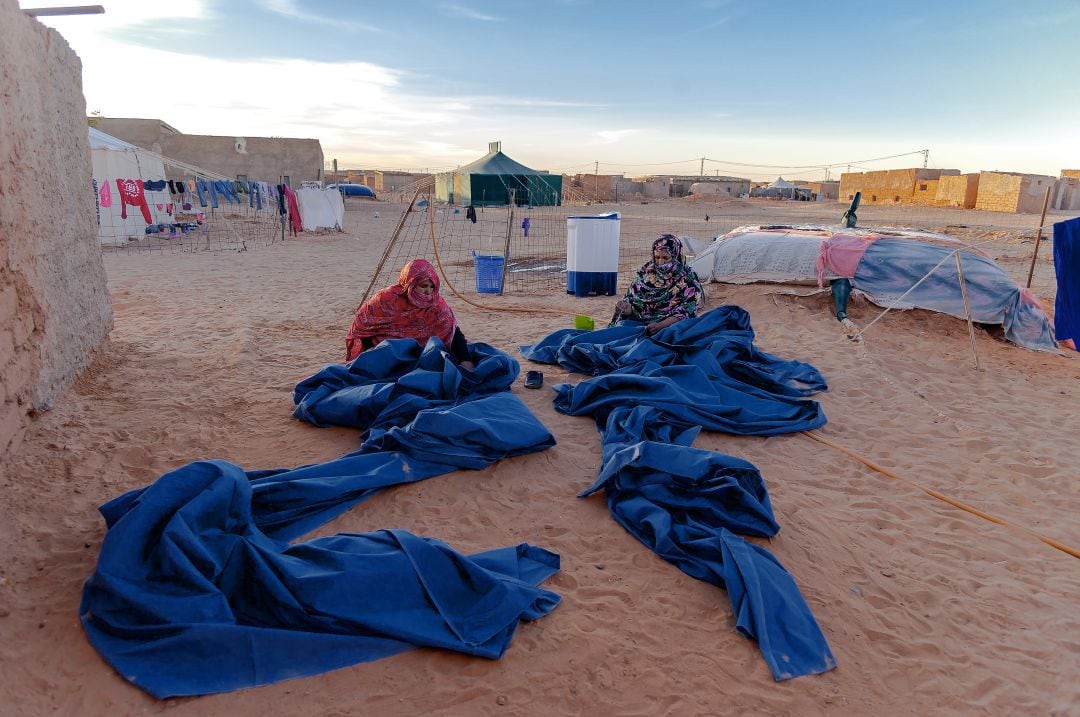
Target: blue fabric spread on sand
(682, 502)
(196, 590)
(704, 371)
(1067, 269)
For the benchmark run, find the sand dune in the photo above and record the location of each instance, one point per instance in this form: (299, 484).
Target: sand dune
(928, 609)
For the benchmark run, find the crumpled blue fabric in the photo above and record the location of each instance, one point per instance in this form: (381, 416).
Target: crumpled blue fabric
(720, 342)
(686, 504)
(650, 399)
(1067, 271)
(190, 597)
(197, 591)
(703, 371)
(388, 384)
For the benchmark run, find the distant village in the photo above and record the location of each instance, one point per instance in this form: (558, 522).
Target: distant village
(292, 161)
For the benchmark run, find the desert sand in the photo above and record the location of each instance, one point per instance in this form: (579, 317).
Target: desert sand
(928, 609)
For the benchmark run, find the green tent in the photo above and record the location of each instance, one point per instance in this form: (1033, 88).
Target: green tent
(490, 180)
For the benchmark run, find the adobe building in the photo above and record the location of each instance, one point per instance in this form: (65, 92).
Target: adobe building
(957, 190)
(821, 191)
(893, 186)
(1013, 192)
(392, 181)
(600, 187)
(720, 186)
(1067, 194)
(54, 302)
(267, 159)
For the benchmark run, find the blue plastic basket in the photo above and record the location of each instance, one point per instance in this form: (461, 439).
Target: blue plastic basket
(489, 273)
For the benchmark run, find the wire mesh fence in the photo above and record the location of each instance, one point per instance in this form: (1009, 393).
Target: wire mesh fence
(238, 223)
(527, 244)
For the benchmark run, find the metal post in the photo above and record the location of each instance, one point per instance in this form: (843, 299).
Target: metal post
(1038, 237)
(506, 246)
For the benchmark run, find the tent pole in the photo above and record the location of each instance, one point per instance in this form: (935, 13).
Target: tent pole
(1038, 238)
(967, 309)
(389, 246)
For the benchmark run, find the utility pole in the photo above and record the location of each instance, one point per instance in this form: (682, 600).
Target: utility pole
(925, 157)
(596, 182)
(701, 173)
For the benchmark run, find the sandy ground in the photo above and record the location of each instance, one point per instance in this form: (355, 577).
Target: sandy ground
(928, 609)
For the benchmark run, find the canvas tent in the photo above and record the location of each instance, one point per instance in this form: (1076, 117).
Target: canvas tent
(902, 269)
(114, 160)
(782, 189)
(490, 180)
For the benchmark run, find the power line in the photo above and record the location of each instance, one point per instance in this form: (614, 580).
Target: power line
(814, 166)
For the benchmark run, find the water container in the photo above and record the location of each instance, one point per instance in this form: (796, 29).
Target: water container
(592, 254)
(489, 273)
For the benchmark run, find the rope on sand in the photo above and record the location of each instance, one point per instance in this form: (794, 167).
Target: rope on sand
(933, 493)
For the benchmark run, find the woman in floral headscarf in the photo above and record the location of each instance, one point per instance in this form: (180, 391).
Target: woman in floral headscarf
(664, 291)
(410, 309)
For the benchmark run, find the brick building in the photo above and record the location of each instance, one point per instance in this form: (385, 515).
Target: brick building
(1013, 192)
(958, 190)
(894, 186)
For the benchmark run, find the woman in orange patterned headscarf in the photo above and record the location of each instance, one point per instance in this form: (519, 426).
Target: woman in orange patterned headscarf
(410, 309)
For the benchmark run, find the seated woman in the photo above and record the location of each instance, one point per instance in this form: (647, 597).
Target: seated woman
(664, 291)
(410, 309)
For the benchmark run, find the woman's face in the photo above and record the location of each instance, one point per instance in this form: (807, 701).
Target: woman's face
(661, 256)
(425, 287)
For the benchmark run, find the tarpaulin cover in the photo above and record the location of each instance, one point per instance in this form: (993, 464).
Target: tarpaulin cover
(1067, 268)
(892, 264)
(684, 502)
(387, 385)
(196, 590)
(704, 371)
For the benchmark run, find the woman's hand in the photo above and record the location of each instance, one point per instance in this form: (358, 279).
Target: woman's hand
(623, 307)
(656, 326)
(469, 365)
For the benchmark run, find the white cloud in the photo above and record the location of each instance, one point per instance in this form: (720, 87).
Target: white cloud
(467, 12)
(291, 9)
(611, 136)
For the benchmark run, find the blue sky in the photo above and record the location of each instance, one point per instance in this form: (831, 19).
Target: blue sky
(641, 87)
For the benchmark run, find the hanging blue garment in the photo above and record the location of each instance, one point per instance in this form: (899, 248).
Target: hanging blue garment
(203, 189)
(1067, 270)
(227, 190)
(197, 591)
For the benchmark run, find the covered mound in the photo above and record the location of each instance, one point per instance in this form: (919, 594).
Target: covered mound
(893, 268)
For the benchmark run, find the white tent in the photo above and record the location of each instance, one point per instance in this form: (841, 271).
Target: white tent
(113, 159)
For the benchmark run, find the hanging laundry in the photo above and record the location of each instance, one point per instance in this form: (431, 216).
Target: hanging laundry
(525, 224)
(131, 192)
(294, 210)
(106, 195)
(157, 185)
(470, 214)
